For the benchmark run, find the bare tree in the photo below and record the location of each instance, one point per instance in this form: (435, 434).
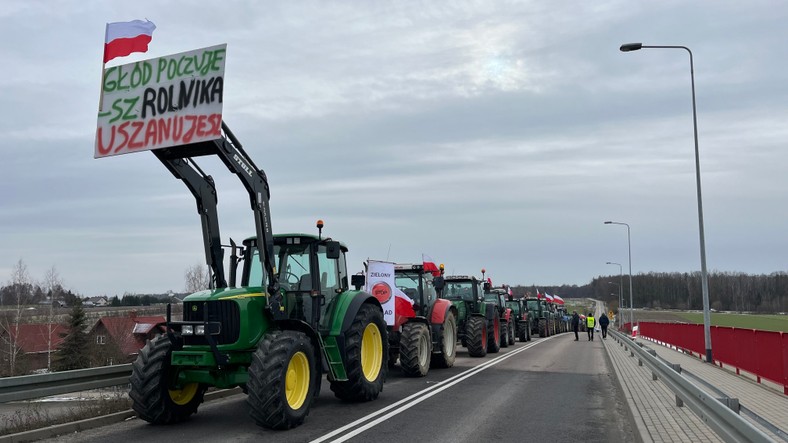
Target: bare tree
(197, 278)
(20, 287)
(52, 284)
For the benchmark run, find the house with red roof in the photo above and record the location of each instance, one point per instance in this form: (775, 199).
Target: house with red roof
(117, 340)
(33, 344)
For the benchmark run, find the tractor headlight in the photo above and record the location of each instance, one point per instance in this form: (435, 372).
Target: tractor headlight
(187, 330)
(199, 330)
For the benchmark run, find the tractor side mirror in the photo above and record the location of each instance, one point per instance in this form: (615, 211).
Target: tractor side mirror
(357, 280)
(333, 250)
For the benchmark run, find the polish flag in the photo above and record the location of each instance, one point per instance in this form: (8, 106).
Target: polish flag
(539, 295)
(123, 38)
(548, 297)
(558, 299)
(429, 265)
(403, 305)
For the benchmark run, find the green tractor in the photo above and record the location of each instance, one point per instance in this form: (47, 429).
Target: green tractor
(424, 334)
(541, 320)
(478, 326)
(292, 318)
(522, 321)
(497, 297)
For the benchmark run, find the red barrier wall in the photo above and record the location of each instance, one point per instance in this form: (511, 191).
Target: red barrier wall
(763, 353)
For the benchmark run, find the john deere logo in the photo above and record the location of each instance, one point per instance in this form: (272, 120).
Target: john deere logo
(194, 308)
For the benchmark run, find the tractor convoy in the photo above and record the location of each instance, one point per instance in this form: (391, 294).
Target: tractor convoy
(291, 317)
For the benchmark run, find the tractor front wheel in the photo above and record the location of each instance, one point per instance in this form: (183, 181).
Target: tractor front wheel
(522, 335)
(153, 394)
(476, 336)
(511, 332)
(415, 349)
(448, 353)
(366, 351)
(494, 339)
(504, 334)
(283, 379)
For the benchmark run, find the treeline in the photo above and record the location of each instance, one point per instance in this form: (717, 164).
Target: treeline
(29, 294)
(138, 300)
(728, 291)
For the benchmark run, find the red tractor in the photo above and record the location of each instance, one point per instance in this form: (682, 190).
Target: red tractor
(424, 334)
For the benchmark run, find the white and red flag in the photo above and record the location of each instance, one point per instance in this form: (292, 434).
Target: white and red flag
(558, 299)
(548, 297)
(429, 265)
(539, 294)
(123, 38)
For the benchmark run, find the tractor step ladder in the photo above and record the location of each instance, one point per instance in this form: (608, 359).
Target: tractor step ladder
(331, 354)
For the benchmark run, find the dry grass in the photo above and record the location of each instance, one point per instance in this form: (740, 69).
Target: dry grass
(36, 415)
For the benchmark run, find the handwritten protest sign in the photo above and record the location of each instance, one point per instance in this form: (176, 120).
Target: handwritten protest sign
(157, 103)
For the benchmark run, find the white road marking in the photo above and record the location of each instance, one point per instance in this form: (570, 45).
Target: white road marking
(417, 398)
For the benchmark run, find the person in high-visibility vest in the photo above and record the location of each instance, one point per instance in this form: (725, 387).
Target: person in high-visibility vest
(590, 323)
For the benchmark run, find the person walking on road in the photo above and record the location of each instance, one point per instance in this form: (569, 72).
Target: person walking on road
(575, 324)
(603, 322)
(590, 323)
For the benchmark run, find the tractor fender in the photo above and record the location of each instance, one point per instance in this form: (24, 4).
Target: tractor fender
(439, 310)
(508, 315)
(289, 324)
(348, 305)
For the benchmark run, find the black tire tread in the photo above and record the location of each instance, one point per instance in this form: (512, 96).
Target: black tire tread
(357, 387)
(149, 386)
(409, 349)
(265, 397)
(477, 347)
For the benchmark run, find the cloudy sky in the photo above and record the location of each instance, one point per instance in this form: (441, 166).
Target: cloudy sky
(496, 134)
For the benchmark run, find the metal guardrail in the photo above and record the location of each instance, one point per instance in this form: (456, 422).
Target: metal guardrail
(734, 403)
(27, 387)
(727, 424)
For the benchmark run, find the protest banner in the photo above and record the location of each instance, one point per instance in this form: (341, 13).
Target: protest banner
(162, 102)
(380, 283)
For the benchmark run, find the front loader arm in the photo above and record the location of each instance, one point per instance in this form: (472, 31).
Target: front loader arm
(178, 160)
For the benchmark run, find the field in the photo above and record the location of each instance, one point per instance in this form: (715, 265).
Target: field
(777, 323)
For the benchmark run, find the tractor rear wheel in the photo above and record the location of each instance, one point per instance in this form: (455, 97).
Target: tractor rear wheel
(504, 334)
(153, 396)
(366, 351)
(494, 339)
(283, 379)
(448, 353)
(542, 327)
(415, 349)
(476, 336)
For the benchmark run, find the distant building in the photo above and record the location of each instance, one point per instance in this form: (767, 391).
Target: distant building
(97, 302)
(34, 345)
(118, 340)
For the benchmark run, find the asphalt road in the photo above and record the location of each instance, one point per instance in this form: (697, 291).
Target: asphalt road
(552, 389)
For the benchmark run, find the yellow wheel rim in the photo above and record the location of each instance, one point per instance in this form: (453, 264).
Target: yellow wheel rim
(297, 380)
(371, 352)
(184, 395)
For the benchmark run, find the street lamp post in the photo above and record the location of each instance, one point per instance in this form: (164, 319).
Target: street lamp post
(629, 246)
(620, 289)
(628, 47)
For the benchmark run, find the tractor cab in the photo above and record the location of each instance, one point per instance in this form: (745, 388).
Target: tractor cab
(463, 287)
(418, 285)
(311, 272)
